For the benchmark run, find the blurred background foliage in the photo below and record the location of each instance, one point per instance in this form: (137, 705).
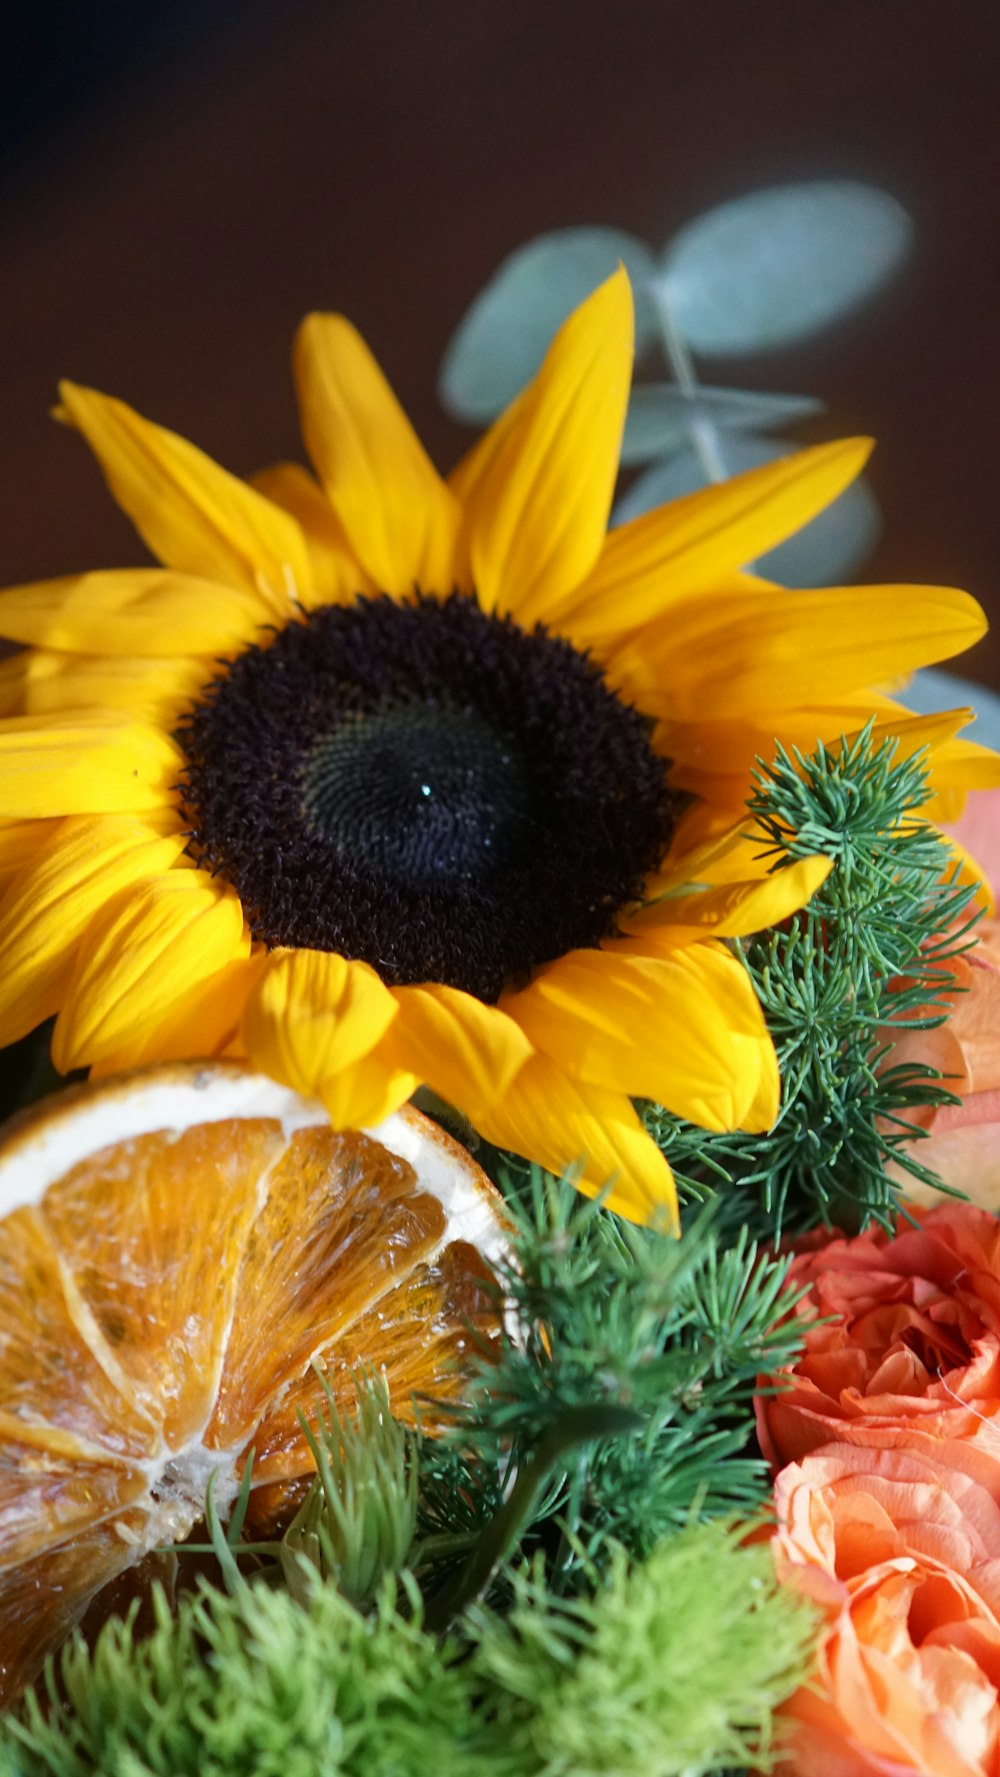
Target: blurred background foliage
(180, 183)
(749, 276)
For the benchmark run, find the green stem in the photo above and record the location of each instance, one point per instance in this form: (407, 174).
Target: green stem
(436, 1548)
(581, 1425)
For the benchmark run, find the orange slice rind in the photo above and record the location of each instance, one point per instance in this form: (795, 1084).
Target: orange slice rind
(178, 1247)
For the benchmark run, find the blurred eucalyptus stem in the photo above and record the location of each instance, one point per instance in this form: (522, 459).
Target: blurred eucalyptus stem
(752, 275)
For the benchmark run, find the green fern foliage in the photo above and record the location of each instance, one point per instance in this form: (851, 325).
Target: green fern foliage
(633, 1368)
(867, 959)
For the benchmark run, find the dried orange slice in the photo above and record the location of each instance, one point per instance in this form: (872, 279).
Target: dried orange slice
(176, 1247)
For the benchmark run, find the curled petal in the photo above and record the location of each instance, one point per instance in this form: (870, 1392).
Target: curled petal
(730, 910)
(594, 1133)
(314, 1020)
(670, 1028)
(467, 1051)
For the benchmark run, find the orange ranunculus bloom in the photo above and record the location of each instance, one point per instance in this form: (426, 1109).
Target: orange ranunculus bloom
(902, 1551)
(912, 1355)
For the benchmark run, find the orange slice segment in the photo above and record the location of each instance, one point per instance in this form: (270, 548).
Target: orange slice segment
(177, 1248)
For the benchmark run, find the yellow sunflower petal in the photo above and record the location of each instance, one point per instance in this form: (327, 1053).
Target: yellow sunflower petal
(539, 505)
(469, 472)
(313, 1020)
(737, 653)
(718, 975)
(970, 872)
(964, 764)
(546, 1117)
(713, 760)
(401, 519)
(945, 808)
(730, 910)
(192, 514)
(698, 541)
(699, 825)
(362, 1096)
(144, 953)
(48, 907)
(759, 1109)
(954, 766)
(915, 733)
(77, 764)
(949, 779)
(337, 575)
(466, 1051)
(954, 763)
(20, 842)
(651, 1027)
(205, 1022)
(728, 748)
(39, 682)
(133, 612)
(732, 855)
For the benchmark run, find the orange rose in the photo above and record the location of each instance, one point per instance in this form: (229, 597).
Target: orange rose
(902, 1552)
(912, 1355)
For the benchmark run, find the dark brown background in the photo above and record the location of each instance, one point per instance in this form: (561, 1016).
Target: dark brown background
(169, 209)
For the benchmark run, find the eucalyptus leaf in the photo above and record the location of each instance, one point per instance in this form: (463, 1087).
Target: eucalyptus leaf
(824, 552)
(660, 415)
(502, 339)
(778, 264)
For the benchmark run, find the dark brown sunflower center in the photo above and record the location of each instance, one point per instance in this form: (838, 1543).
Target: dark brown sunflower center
(426, 792)
(425, 787)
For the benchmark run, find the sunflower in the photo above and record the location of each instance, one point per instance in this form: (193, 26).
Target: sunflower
(384, 779)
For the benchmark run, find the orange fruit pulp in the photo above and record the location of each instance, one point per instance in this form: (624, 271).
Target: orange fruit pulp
(177, 1248)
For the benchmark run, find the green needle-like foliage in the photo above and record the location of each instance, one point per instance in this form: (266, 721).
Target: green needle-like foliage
(865, 960)
(611, 1319)
(358, 1519)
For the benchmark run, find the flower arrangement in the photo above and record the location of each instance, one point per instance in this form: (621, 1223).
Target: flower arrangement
(633, 1405)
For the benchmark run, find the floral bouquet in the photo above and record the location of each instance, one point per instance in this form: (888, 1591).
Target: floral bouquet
(500, 1293)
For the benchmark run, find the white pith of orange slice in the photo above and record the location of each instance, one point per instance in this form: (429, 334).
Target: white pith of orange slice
(177, 1247)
